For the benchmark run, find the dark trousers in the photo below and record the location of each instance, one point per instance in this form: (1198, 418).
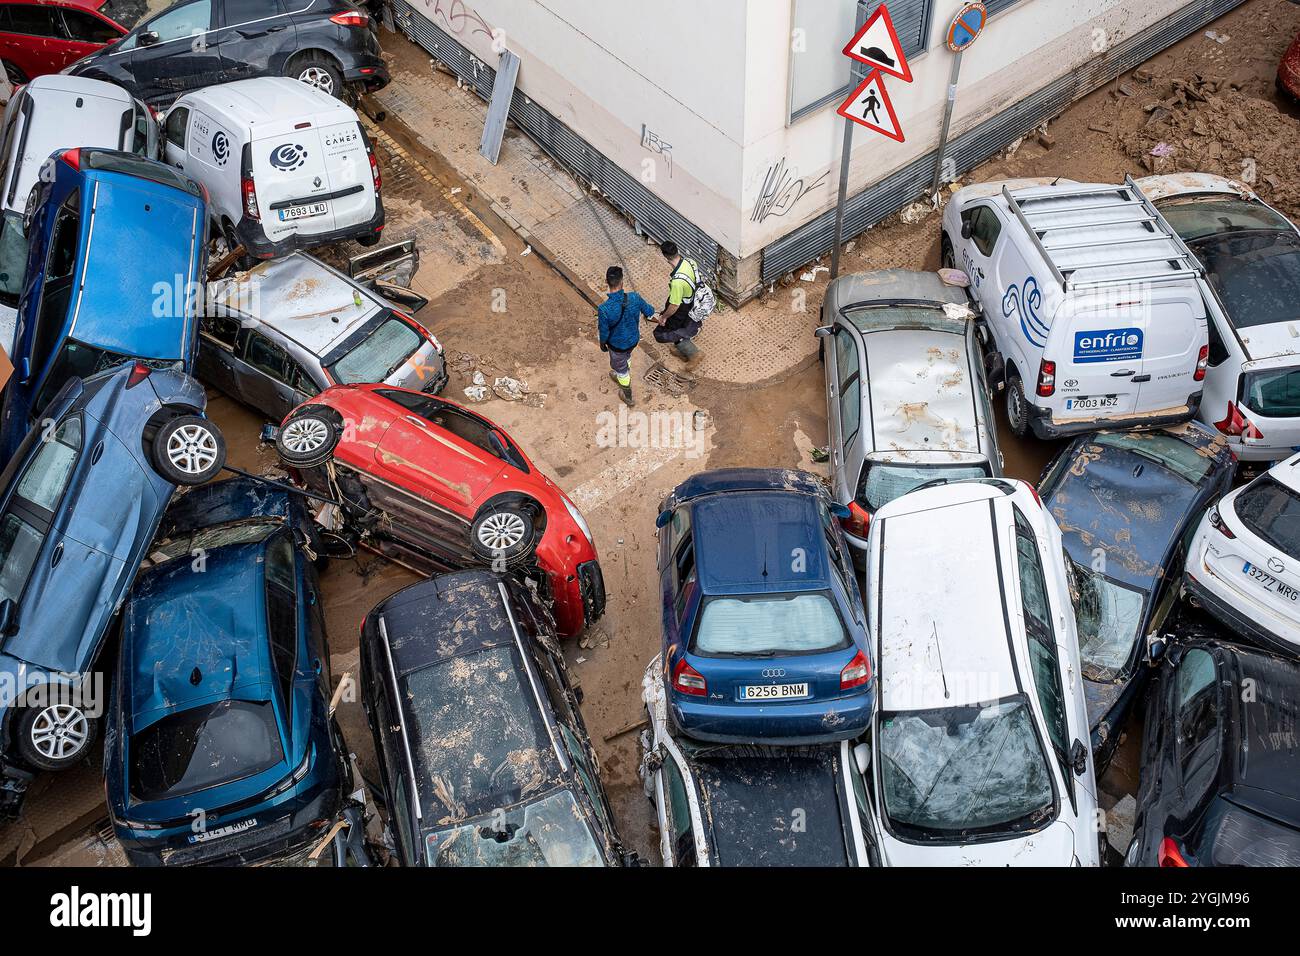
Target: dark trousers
(673, 331)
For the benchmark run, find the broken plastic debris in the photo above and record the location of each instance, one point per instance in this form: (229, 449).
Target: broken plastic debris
(479, 378)
(955, 310)
(528, 250)
(477, 393)
(812, 275)
(1217, 37)
(511, 389)
(1162, 149)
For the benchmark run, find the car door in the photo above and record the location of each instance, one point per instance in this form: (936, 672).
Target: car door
(249, 37)
(172, 53)
(845, 406)
(86, 32)
(175, 136)
(263, 372)
(32, 39)
(981, 230)
(676, 824)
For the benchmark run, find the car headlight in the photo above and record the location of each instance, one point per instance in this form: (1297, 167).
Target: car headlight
(579, 520)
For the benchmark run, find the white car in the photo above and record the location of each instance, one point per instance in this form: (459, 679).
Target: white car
(980, 751)
(1250, 253)
(1244, 563)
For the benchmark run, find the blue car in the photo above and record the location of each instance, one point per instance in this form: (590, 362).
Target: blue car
(764, 632)
(79, 504)
(220, 745)
(116, 266)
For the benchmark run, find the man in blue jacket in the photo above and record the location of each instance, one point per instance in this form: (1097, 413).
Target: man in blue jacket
(620, 330)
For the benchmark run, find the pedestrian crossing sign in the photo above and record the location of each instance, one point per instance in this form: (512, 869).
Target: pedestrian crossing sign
(870, 106)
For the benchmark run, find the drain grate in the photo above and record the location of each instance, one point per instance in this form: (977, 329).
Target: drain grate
(667, 381)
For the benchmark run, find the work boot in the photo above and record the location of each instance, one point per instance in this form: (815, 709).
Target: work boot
(687, 350)
(613, 376)
(625, 395)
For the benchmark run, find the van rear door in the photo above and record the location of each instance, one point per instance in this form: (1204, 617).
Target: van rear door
(1176, 331)
(1098, 349)
(347, 160)
(293, 183)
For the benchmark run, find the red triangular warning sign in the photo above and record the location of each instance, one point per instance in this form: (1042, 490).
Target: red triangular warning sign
(870, 106)
(876, 45)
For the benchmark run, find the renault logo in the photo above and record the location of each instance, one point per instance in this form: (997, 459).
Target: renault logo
(1276, 566)
(774, 672)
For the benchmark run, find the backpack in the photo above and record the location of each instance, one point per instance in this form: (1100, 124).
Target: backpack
(703, 301)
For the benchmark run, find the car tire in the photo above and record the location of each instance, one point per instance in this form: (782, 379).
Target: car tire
(189, 450)
(947, 258)
(308, 439)
(244, 262)
(318, 72)
(13, 74)
(1017, 407)
(503, 531)
(55, 736)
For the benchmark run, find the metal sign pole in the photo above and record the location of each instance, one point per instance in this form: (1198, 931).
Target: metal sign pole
(844, 192)
(947, 122)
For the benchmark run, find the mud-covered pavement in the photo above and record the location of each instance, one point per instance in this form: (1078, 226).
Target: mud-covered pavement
(503, 311)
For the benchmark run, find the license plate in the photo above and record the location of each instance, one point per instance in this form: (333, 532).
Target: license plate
(230, 829)
(773, 691)
(1258, 574)
(302, 212)
(1090, 403)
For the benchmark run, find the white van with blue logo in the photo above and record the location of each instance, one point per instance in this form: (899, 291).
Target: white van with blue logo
(286, 166)
(1090, 305)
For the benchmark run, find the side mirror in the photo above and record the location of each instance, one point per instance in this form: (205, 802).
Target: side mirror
(8, 617)
(1156, 647)
(862, 758)
(663, 519)
(269, 434)
(147, 38)
(824, 331)
(1078, 758)
(841, 511)
(967, 229)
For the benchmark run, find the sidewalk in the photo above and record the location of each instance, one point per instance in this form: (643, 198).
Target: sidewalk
(579, 233)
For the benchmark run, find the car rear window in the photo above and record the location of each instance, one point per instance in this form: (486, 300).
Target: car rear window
(1180, 457)
(1271, 511)
(477, 736)
(881, 483)
(769, 624)
(1232, 836)
(390, 343)
(1198, 219)
(1275, 393)
(1257, 275)
(204, 747)
(551, 832)
(140, 167)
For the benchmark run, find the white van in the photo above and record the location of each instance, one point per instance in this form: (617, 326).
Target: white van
(1091, 305)
(286, 166)
(47, 115)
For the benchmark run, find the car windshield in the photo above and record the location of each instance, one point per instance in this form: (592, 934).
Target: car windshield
(1109, 616)
(1184, 459)
(381, 353)
(477, 736)
(765, 624)
(13, 259)
(959, 772)
(206, 539)
(204, 747)
(1256, 274)
(881, 483)
(1271, 510)
(1212, 217)
(550, 832)
(79, 360)
(1274, 393)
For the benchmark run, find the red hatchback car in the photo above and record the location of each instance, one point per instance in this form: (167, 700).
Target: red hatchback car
(1288, 71)
(44, 36)
(436, 487)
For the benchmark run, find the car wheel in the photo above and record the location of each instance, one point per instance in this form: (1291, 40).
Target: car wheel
(189, 450)
(947, 257)
(15, 76)
(318, 72)
(56, 736)
(503, 532)
(244, 262)
(1017, 407)
(307, 440)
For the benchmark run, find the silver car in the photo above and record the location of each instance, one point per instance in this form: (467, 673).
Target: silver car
(287, 329)
(906, 396)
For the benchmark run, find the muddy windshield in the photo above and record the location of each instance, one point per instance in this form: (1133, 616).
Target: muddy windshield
(477, 735)
(386, 347)
(964, 772)
(882, 483)
(769, 624)
(1109, 616)
(550, 832)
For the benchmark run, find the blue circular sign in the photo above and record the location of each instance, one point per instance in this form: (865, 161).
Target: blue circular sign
(966, 26)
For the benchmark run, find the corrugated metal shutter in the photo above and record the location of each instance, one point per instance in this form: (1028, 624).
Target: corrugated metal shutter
(997, 6)
(976, 145)
(566, 147)
(911, 19)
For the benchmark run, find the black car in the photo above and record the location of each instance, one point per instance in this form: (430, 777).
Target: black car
(1220, 761)
(483, 756)
(1128, 505)
(195, 43)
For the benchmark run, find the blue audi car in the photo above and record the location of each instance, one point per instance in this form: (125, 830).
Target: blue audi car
(220, 748)
(764, 631)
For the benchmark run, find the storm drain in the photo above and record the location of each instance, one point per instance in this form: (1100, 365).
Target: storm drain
(668, 381)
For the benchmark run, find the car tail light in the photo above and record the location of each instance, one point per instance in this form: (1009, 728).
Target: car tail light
(688, 680)
(351, 18)
(72, 157)
(857, 521)
(1235, 423)
(1046, 378)
(250, 198)
(1170, 855)
(1202, 362)
(856, 672)
(139, 372)
(1219, 525)
(374, 170)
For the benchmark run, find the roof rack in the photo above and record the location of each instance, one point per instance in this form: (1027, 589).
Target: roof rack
(1065, 231)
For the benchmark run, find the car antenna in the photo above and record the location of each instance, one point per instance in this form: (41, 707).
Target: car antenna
(939, 650)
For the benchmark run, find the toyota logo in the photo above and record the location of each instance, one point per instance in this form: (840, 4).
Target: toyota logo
(288, 156)
(1276, 566)
(774, 672)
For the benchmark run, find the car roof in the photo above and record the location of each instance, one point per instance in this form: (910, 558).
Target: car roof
(447, 616)
(179, 626)
(949, 651)
(301, 298)
(268, 105)
(920, 390)
(744, 541)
